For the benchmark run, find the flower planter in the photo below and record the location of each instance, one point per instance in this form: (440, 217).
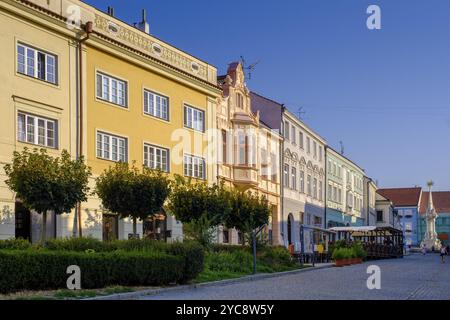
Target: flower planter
(340, 263)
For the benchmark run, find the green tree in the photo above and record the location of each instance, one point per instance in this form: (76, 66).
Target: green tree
(133, 193)
(200, 207)
(249, 214)
(45, 183)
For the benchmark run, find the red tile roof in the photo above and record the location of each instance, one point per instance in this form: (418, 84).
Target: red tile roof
(441, 201)
(402, 197)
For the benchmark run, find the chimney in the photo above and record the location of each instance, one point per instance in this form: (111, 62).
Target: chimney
(111, 11)
(143, 25)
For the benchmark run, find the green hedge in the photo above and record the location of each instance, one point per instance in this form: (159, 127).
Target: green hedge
(44, 269)
(191, 255)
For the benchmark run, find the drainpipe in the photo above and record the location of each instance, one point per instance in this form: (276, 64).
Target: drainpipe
(325, 186)
(88, 30)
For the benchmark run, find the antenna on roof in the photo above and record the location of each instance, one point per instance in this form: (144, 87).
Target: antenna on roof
(300, 112)
(342, 147)
(249, 68)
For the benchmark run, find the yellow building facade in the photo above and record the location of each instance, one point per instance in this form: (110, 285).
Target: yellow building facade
(120, 94)
(248, 152)
(37, 101)
(140, 109)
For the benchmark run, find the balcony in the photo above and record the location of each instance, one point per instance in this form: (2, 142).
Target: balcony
(245, 175)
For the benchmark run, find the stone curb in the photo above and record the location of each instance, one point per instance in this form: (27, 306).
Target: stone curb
(149, 292)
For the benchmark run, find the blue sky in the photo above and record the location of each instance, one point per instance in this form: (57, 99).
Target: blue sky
(384, 93)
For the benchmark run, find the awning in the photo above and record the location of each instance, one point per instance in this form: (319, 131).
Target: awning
(353, 229)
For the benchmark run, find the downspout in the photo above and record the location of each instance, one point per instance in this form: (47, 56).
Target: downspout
(88, 28)
(325, 188)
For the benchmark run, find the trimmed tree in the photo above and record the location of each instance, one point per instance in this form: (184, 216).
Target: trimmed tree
(199, 207)
(45, 183)
(249, 214)
(133, 193)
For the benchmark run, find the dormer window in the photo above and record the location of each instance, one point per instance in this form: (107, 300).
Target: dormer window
(239, 100)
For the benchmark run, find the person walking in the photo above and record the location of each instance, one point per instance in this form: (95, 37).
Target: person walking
(443, 253)
(424, 249)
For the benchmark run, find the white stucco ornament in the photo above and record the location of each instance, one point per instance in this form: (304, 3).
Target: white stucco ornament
(431, 240)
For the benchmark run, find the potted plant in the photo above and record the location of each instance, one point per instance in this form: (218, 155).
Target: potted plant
(339, 257)
(359, 252)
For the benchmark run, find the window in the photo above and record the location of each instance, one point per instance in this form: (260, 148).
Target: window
(315, 149)
(320, 153)
(111, 147)
(240, 100)
(37, 130)
(242, 149)
(36, 63)
(308, 218)
(330, 190)
(194, 118)
(339, 195)
(156, 157)
(317, 221)
(194, 167)
(320, 190)
(308, 185)
(286, 175)
(240, 237)
(286, 130)
(224, 146)
(111, 89)
(274, 167)
(379, 216)
(315, 188)
(329, 166)
(308, 145)
(294, 178)
(300, 138)
(226, 236)
(302, 181)
(294, 135)
(156, 105)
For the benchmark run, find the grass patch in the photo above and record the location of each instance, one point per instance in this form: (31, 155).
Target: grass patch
(236, 262)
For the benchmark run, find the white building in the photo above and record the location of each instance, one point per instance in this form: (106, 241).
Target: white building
(303, 180)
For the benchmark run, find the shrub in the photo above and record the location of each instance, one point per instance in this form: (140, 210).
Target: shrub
(359, 250)
(342, 253)
(11, 244)
(78, 244)
(192, 253)
(44, 269)
(229, 248)
(276, 258)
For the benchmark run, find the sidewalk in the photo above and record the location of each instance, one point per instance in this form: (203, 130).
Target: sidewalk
(137, 294)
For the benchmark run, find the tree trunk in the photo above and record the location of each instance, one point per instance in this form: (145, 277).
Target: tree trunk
(134, 227)
(254, 251)
(80, 230)
(44, 227)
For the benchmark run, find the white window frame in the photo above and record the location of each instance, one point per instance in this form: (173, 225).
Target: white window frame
(113, 82)
(286, 171)
(151, 105)
(35, 73)
(23, 134)
(189, 163)
(112, 148)
(192, 119)
(294, 178)
(153, 160)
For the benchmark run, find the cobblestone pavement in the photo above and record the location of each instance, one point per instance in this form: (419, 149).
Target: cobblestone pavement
(413, 277)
